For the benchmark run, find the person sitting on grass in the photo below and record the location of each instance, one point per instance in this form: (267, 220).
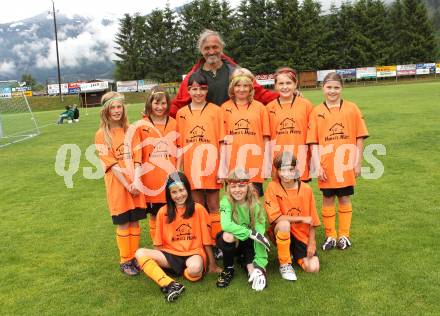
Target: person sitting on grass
(243, 224)
(67, 114)
(182, 239)
(75, 113)
(291, 211)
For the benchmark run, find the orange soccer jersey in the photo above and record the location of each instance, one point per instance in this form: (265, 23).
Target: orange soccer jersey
(122, 154)
(292, 202)
(200, 134)
(184, 236)
(159, 152)
(288, 130)
(336, 131)
(245, 127)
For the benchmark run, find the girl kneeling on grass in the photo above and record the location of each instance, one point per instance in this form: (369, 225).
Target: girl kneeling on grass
(122, 165)
(182, 239)
(243, 224)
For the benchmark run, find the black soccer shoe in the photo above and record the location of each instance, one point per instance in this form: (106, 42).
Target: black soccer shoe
(172, 291)
(225, 278)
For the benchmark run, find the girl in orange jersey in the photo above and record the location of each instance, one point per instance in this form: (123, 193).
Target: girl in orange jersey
(336, 133)
(289, 119)
(158, 141)
(247, 130)
(200, 129)
(182, 239)
(122, 164)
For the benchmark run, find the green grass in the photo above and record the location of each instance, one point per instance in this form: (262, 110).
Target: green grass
(59, 255)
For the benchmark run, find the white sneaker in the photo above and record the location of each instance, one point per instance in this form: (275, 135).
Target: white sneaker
(287, 272)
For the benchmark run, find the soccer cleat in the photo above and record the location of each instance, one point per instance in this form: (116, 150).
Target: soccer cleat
(128, 268)
(218, 253)
(287, 272)
(225, 278)
(343, 243)
(136, 265)
(172, 291)
(329, 243)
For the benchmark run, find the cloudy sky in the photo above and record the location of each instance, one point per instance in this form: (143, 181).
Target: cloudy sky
(22, 9)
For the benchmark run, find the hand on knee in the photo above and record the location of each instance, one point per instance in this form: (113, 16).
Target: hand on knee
(312, 265)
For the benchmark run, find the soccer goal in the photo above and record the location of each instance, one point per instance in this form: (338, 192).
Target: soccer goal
(17, 122)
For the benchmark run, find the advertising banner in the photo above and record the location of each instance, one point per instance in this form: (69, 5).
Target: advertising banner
(74, 87)
(386, 71)
(366, 73)
(126, 86)
(347, 74)
(5, 93)
(93, 86)
(145, 85)
(406, 70)
(53, 89)
(265, 79)
(425, 69)
(437, 68)
(320, 74)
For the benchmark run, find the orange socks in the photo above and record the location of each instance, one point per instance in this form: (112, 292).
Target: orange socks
(215, 224)
(152, 225)
(329, 219)
(283, 247)
(135, 236)
(154, 272)
(345, 212)
(191, 278)
(123, 241)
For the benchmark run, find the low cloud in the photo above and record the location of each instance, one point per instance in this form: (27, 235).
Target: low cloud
(7, 67)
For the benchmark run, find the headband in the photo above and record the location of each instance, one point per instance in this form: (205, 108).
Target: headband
(238, 78)
(158, 92)
(175, 183)
(238, 181)
(287, 72)
(113, 99)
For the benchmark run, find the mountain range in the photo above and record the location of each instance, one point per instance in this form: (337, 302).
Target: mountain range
(86, 48)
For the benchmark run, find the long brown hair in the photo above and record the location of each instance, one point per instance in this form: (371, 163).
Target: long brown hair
(252, 200)
(106, 101)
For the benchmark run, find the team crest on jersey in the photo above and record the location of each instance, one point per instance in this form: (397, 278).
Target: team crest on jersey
(336, 132)
(294, 211)
(122, 152)
(183, 232)
(242, 127)
(197, 135)
(287, 127)
(161, 150)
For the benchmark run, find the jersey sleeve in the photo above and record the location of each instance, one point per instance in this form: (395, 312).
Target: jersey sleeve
(271, 204)
(205, 226)
(108, 160)
(312, 129)
(136, 146)
(228, 225)
(361, 127)
(260, 257)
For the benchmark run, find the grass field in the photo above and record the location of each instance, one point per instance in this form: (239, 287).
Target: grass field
(59, 255)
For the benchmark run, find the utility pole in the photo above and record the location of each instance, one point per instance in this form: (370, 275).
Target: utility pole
(56, 43)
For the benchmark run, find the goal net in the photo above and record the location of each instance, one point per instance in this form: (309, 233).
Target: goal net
(17, 123)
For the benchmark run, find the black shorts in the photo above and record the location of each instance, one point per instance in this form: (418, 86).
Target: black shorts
(345, 191)
(153, 208)
(298, 249)
(177, 263)
(129, 216)
(259, 187)
(245, 249)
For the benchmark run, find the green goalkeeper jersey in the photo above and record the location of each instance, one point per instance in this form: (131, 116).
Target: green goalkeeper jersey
(242, 228)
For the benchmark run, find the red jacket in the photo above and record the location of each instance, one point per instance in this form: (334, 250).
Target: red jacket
(183, 98)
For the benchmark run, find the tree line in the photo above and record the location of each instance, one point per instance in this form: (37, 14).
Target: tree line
(265, 34)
